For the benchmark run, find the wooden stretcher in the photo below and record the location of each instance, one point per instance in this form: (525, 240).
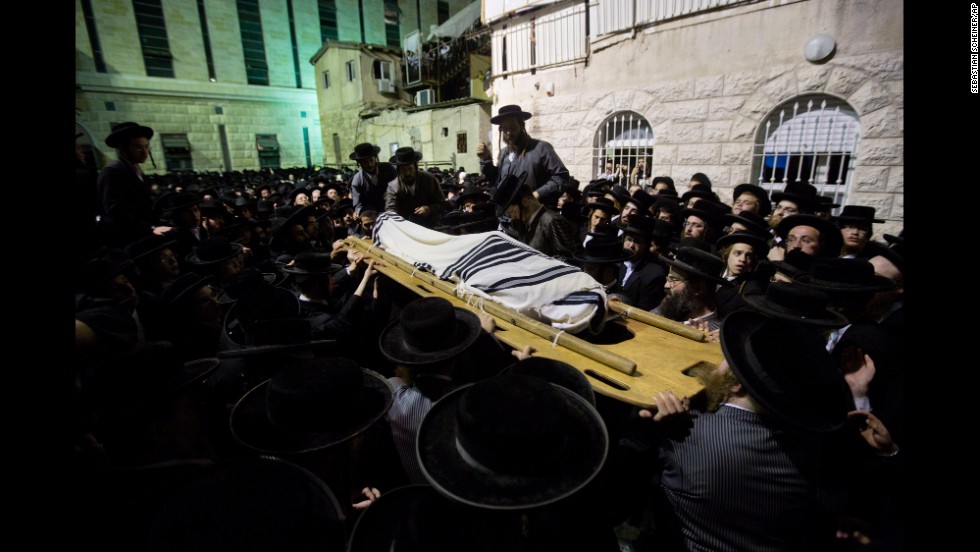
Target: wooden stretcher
(657, 354)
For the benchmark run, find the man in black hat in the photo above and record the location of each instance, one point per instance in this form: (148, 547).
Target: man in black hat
(642, 276)
(600, 259)
(369, 184)
(691, 288)
(533, 223)
(126, 204)
(751, 198)
(638, 204)
(814, 235)
(546, 175)
(414, 194)
(796, 198)
(600, 212)
(855, 223)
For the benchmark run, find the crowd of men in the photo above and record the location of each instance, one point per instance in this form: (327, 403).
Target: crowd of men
(245, 380)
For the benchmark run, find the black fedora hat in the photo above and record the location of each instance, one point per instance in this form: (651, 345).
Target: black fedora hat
(258, 503)
(787, 369)
(663, 232)
(417, 517)
(509, 111)
(699, 192)
(296, 193)
(700, 263)
(511, 442)
(802, 194)
(708, 211)
(859, 214)
(149, 244)
(825, 204)
(507, 192)
(310, 263)
(837, 275)
(405, 156)
(556, 372)
(621, 194)
(603, 249)
(603, 204)
(364, 150)
(753, 222)
(310, 405)
(123, 132)
(213, 251)
(765, 205)
(338, 209)
(642, 200)
(473, 192)
(831, 239)
(282, 225)
(759, 244)
(641, 225)
(429, 330)
(791, 301)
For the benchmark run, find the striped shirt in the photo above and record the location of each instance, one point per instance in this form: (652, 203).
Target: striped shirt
(408, 407)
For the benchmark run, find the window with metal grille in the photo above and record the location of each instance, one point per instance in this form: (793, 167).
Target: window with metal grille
(268, 147)
(328, 20)
(177, 152)
(393, 33)
(625, 140)
(253, 44)
(153, 38)
(811, 139)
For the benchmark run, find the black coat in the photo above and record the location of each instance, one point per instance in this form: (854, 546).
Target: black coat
(645, 286)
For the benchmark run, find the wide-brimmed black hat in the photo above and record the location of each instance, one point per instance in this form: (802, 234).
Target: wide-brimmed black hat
(703, 264)
(364, 150)
(282, 225)
(641, 225)
(471, 192)
(509, 111)
(405, 156)
(642, 200)
(791, 301)
(310, 405)
(663, 232)
(621, 194)
(297, 191)
(181, 289)
(765, 205)
(310, 263)
(417, 517)
(556, 372)
(603, 204)
(507, 192)
(104, 265)
(149, 244)
(171, 201)
(511, 442)
(214, 207)
(429, 330)
(786, 368)
(794, 262)
(338, 209)
(759, 244)
(603, 249)
(753, 222)
(802, 194)
(700, 192)
(857, 214)
(214, 251)
(825, 204)
(255, 503)
(837, 275)
(123, 132)
(831, 239)
(708, 211)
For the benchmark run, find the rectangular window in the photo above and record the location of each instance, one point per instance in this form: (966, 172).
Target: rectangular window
(202, 15)
(295, 46)
(460, 142)
(326, 79)
(351, 75)
(153, 38)
(177, 152)
(383, 70)
(93, 37)
(328, 20)
(250, 23)
(268, 147)
(393, 34)
(442, 7)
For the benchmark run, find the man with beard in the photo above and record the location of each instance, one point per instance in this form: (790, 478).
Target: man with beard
(545, 173)
(533, 223)
(748, 470)
(691, 288)
(642, 276)
(369, 184)
(415, 195)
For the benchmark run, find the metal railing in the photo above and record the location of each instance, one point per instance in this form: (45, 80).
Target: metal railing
(548, 38)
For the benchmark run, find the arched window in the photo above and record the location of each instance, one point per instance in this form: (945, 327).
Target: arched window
(624, 138)
(810, 139)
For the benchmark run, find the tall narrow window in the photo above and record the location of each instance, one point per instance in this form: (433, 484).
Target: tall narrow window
(393, 34)
(351, 72)
(811, 139)
(624, 138)
(268, 147)
(93, 37)
(326, 79)
(203, 16)
(250, 22)
(328, 20)
(442, 7)
(292, 39)
(153, 38)
(177, 152)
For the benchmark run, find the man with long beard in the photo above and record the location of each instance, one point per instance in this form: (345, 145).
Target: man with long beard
(691, 287)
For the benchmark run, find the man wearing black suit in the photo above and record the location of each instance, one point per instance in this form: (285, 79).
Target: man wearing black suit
(642, 277)
(414, 194)
(126, 205)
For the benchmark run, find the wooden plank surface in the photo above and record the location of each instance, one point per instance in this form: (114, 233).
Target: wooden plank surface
(656, 359)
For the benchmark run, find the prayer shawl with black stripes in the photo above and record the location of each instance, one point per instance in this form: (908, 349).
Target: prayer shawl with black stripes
(493, 266)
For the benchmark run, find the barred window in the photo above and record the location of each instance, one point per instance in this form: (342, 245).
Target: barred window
(624, 138)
